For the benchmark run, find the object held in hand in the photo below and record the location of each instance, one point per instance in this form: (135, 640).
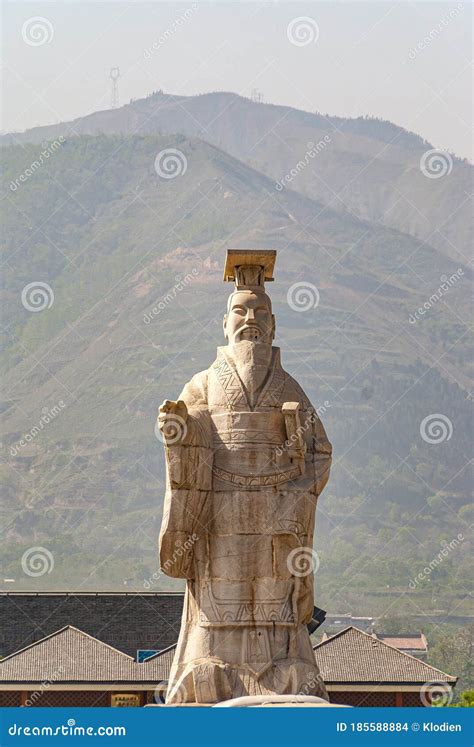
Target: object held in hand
(172, 420)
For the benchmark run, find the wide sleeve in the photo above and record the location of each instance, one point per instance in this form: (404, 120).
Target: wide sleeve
(322, 453)
(188, 482)
(318, 446)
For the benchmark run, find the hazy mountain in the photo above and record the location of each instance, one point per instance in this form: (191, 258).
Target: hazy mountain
(135, 264)
(365, 166)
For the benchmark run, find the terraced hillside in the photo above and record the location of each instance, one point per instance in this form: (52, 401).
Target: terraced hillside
(135, 264)
(365, 166)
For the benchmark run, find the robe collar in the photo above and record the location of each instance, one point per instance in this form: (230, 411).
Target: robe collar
(234, 389)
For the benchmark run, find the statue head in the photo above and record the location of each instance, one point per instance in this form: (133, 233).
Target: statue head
(249, 317)
(249, 309)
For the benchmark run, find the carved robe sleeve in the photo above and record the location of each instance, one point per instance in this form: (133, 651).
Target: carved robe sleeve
(318, 447)
(317, 466)
(322, 454)
(188, 481)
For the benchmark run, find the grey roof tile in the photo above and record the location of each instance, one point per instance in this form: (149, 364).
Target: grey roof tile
(355, 656)
(70, 655)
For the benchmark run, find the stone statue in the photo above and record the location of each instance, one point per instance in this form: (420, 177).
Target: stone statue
(247, 458)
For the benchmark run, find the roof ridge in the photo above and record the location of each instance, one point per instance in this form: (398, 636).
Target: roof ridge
(336, 635)
(387, 645)
(35, 643)
(102, 643)
(399, 635)
(63, 630)
(158, 653)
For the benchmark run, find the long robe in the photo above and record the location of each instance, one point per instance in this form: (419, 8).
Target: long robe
(238, 524)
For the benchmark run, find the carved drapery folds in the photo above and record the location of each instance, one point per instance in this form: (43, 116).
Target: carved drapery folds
(244, 470)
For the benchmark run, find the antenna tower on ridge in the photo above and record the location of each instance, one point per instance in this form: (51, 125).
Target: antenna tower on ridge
(114, 77)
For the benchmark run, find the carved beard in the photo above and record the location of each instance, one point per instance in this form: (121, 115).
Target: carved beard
(252, 361)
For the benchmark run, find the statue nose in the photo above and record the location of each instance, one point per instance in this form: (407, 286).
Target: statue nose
(250, 315)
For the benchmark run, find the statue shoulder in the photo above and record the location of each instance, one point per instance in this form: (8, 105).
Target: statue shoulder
(294, 391)
(195, 391)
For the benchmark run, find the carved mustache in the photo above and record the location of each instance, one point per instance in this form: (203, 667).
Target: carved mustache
(253, 329)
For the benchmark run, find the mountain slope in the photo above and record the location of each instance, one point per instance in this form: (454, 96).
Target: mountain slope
(135, 262)
(366, 166)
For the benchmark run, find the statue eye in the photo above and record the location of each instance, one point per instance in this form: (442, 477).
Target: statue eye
(239, 310)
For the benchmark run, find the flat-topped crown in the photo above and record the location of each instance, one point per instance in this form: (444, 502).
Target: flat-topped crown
(249, 268)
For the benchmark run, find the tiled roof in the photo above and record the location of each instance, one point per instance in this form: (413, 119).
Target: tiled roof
(415, 642)
(358, 657)
(127, 621)
(166, 657)
(70, 655)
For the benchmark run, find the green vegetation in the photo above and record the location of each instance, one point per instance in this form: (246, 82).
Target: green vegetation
(451, 651)
(466, 700)
(113, 240)
(368, 167)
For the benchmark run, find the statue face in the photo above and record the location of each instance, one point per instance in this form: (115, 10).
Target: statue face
(249, 317)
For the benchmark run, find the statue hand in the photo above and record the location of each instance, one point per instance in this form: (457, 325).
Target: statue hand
(172, 418)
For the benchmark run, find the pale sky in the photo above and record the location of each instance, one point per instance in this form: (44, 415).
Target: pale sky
(408, 62)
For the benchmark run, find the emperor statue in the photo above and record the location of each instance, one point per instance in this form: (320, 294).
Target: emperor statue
(247, 458)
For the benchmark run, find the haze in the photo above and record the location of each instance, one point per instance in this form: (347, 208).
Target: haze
(405, 62)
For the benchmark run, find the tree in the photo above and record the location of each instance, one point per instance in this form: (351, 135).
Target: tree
(453, 654)
(466, 700)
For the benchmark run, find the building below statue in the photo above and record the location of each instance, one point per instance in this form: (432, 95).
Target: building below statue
(358, 669)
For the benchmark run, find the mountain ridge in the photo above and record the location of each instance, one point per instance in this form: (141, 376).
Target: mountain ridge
(36, 134)
(352, 172)
(114, 240)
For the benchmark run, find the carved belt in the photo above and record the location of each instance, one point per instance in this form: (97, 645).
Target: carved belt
(239, 431)
(257, 481)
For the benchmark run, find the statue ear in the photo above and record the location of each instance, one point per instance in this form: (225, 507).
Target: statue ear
(224, 326)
